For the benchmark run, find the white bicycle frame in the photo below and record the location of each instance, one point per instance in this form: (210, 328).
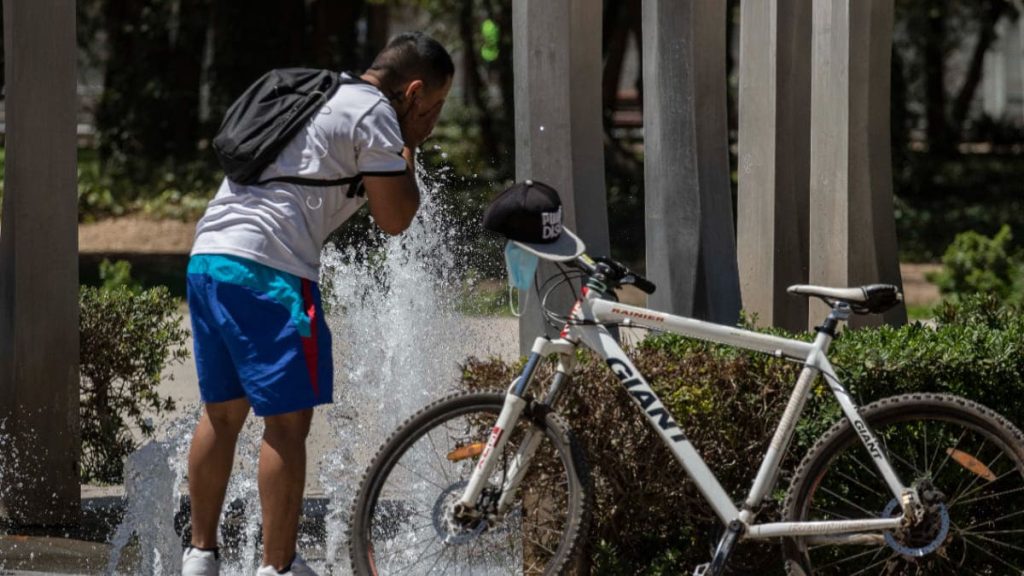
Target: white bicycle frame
(590, 312)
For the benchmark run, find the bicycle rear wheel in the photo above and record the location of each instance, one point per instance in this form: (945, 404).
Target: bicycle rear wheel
(402, 520)
(968, 465)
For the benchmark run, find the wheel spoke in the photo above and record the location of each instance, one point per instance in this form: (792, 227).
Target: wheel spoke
(990, 496)
(835, 482)
(967, 491)
(991, 555)
(870, 566)
(873, 552)
(437, 454)
(413, 531)
(992, 522)
(996, 542)
(857, 506)
(949, 453)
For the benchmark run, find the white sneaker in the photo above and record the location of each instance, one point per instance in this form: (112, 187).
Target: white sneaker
(298, 568)
(196, 562)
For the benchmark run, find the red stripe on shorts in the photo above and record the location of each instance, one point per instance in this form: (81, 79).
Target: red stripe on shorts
(309, 344)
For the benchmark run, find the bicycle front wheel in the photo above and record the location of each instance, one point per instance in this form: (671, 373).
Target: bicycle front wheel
(402, 520)
(967, 463)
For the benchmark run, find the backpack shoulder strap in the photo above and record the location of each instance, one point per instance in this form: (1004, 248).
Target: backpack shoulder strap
(353, 181)
(312, 181)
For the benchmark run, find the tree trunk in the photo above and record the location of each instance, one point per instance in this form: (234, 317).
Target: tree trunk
(186, 67)
(471, 80)
(333, 39)
(616, 38)
(250, 38)
(378, 19)
(501, 13)
(473, 89)
(991, 15)
(134, 115)
(935, 81)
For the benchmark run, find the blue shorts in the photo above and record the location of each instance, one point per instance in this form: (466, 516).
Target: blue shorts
(258, 333)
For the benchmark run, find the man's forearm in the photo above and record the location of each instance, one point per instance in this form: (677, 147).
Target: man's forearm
(410, 159)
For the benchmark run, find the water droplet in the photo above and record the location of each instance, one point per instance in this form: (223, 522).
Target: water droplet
(542, 128)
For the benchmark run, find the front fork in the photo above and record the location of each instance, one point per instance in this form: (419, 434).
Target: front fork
(515, 403)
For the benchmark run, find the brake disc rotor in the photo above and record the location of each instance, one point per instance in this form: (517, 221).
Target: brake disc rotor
(937, 513)
(451, 530)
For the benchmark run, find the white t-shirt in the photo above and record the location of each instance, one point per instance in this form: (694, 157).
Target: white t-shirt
(284, 225)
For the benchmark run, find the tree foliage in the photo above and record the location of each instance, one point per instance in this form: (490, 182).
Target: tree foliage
(127, 337)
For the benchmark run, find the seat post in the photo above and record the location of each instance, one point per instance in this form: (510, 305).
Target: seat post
(840, 313)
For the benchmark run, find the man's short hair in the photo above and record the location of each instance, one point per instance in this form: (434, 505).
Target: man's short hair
(413, 56)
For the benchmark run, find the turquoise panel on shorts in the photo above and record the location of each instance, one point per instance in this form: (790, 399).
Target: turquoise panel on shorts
(280, 286)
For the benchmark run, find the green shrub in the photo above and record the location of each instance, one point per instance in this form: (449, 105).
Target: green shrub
(169, 191)
(127, 338)
(648, 520)
(938, 197)
(977, 264)
(117, 274)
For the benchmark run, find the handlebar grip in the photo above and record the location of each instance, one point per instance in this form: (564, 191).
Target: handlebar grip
(644, 285)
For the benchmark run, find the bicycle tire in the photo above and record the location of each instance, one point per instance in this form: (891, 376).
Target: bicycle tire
(558, 442)
(837, 480)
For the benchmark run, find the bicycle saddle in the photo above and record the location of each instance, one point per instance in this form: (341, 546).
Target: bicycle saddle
(869, 299)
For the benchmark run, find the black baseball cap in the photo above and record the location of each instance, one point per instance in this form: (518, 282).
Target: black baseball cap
(530, 214)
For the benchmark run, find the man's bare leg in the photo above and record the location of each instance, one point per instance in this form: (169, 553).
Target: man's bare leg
(282, 478)
(210, 459)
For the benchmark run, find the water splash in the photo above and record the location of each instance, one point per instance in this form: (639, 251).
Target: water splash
(153, 476)
(393, 308)
(240, 521)
(5, 457)
(396, 327)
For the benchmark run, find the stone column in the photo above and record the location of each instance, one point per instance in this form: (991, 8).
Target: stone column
(559, 139)
(39, 267)
(774, 158)
(691, 246)
(852, 228)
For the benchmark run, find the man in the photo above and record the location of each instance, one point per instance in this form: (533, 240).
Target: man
(260, 337)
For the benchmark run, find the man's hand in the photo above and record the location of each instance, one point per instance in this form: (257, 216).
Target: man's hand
(417, 124)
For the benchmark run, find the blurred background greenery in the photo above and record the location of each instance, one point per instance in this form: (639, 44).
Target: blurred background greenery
(157, 75)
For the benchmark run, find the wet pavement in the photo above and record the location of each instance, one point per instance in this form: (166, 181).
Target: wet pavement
(47, 555)
(84, 550)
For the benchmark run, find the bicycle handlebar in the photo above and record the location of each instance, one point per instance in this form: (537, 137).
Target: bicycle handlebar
(614, 274)
(645, 285)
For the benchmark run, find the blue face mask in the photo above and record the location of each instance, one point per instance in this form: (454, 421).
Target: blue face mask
(521, 266)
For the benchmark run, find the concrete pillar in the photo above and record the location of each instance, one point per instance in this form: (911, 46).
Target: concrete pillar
(852, 228)
(691, 246)
(39, 267)
(774, 158)
(559, 140)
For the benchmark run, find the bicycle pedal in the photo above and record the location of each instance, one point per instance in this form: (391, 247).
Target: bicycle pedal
(702, 569)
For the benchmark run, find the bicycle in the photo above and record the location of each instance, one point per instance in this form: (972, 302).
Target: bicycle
(486, 482)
